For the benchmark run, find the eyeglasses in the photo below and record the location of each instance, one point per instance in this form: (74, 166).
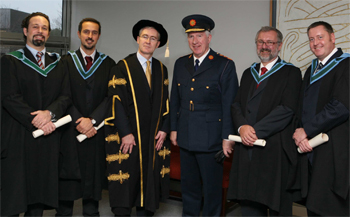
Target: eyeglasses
(268, 43)
(146, 37)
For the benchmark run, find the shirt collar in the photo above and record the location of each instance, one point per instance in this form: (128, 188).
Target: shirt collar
(142, 59)
(325, 60)
(84, 55)
(268, 66)
(34, 52)
(200, 58)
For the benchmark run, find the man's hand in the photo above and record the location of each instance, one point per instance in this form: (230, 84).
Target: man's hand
(128, 142)
(299, 135)
(90, 133)
(48, 128)
(304, 146)
(41, 118)
(248, 135)
(173, 137)
(227, 147)
(160, 137)
(84, 125)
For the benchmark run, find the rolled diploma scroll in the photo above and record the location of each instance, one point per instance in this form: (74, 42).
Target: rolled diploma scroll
(317, 140)
(82, 137)
(259, 142)
(62, 121)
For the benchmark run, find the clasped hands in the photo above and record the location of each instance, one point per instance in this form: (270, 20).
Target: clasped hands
(301, 140)
(42, 120)
(86, 127)
(128, 142)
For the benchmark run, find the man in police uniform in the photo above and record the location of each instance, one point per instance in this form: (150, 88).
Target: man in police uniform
(263, 109)
(324, 108)
(203, 89)
(139, 90)
(82, 164)
(34, 92)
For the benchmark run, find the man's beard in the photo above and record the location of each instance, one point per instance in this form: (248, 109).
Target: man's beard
(88, 47)
(38, 43)
(265, 58)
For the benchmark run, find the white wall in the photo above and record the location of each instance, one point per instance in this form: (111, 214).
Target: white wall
(236, 24)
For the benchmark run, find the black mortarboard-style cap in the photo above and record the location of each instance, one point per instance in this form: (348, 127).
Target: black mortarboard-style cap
(197, 23)
(143, 23)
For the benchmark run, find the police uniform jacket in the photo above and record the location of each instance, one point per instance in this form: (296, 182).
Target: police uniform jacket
(201, 100)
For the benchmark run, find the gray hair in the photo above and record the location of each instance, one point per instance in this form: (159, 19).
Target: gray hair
(270, 28)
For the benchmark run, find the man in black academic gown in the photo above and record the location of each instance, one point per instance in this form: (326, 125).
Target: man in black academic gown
(261, 177)
(34, 92)
(140, 107)
(324, 108)
(82, 164)
(204, 86)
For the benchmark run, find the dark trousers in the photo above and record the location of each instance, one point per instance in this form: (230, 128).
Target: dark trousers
(198, 168)
(34, 210)
(123, 211)
(90, 208)
(250, 208)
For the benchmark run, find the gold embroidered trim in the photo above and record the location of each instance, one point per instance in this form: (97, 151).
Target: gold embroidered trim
(117, 81)
(117, 157)
(160, 112)
(138, 129)
(119, 177)
(164, 171)
(113, 112)
(166, 82)
(163, 153)
(113, 138)
(167, 108)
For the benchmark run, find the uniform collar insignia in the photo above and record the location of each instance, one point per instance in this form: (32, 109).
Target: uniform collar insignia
(19, 54)
(86, 74)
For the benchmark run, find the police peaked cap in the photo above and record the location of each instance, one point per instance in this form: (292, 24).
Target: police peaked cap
(197, 23)
(143, 23)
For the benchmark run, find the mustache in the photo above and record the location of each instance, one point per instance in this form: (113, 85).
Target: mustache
(89, 39)
(39, 35)
(265, 49)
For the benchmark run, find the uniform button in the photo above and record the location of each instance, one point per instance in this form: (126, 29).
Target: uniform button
(207, 87)
(191, 101)
(178, 84)
(219, 119)
(193, 79)
(192, 89)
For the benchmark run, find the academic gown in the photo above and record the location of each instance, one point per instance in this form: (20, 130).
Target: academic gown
(324, 108)
(82, 165)
(29, 166)
(139, 178)
(262, 174)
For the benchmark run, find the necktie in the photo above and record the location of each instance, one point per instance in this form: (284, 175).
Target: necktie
(148, 73)
(263, 71)
(197, 65)
(40, 63)
(319, 67)
(88, 62)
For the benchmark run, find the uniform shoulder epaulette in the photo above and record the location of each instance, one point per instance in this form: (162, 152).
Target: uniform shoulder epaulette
(223, 56)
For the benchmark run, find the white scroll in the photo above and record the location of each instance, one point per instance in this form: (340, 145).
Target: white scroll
(259, 142)
(317, 140)
(62, 121)
(82, 137)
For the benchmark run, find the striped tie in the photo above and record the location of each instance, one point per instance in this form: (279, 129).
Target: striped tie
(40, 63)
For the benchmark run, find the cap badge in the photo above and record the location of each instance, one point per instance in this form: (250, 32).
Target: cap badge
(192, 22)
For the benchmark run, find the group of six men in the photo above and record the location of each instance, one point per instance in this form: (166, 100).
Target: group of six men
(131, 99)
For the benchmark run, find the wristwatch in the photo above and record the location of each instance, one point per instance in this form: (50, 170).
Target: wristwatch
(52, 116)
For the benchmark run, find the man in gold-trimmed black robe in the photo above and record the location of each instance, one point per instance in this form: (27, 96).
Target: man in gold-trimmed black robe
(138, 160)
